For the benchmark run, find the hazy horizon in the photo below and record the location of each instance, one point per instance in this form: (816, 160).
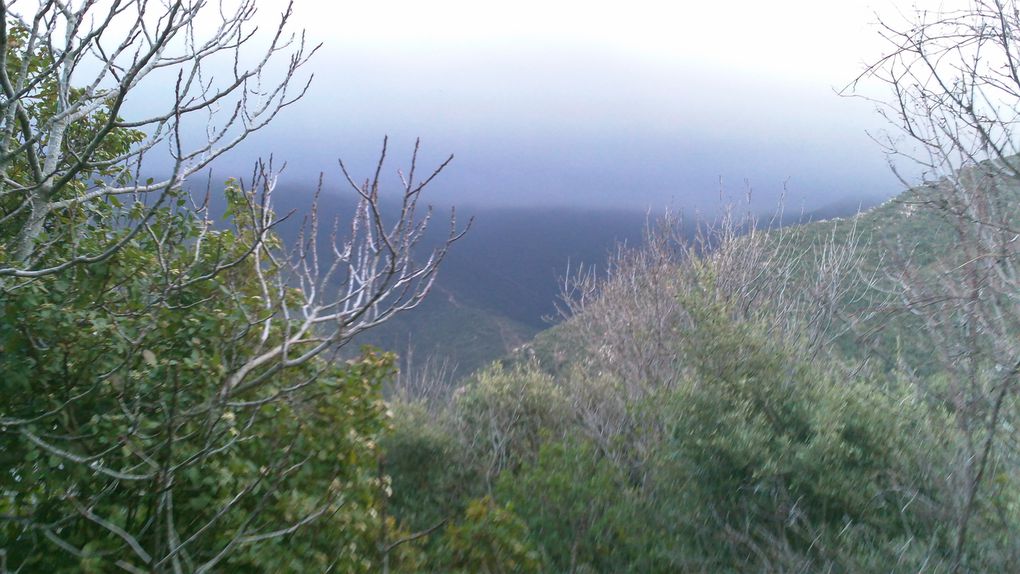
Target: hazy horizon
(587, 104)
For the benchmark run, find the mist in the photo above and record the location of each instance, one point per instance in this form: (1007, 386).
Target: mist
(540, 116)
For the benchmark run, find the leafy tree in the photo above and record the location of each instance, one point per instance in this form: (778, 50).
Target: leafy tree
(172, 397)
(123, 450)
(504, 414)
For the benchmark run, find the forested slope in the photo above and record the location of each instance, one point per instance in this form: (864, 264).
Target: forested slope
(754, 399)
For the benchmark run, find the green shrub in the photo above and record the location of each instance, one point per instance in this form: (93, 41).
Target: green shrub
(488, 539)
(503, 415)
(576, 504)
(773, 459)
(432, 477)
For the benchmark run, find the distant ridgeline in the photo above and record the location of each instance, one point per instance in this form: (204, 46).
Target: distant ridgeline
(500, 285)
(909, 230)
(767, 398)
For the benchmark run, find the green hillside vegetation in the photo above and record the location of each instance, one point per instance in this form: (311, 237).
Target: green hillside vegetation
(913, 234)
(721, 409)
(442, 329)
(500, 287)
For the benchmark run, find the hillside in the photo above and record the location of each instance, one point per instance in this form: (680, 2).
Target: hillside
(901, 233)
(499, 285)
(875, 227)
(761, 397)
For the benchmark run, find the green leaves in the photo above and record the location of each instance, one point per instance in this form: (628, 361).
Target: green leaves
(121, 369)
(489, 538)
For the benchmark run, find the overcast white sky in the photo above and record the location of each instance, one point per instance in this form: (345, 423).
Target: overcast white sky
(570, 102)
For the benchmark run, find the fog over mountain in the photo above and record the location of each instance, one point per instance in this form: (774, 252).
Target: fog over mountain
(582, 104)
(572, 124)
(590, 133)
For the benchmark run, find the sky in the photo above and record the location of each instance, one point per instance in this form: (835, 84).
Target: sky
(643, 104)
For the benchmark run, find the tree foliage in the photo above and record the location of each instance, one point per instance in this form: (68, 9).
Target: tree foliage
(122, 449)
(173, 394)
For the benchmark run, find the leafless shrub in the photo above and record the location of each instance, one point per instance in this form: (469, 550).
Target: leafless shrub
(428, 381)
(370, 274)
(631, 324)
(955, 91)
(88, 59)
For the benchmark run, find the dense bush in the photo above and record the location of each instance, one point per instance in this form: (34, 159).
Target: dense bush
(773, 462)
(433, 476)
(111, 425)
(578, 506)
(502, 415)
